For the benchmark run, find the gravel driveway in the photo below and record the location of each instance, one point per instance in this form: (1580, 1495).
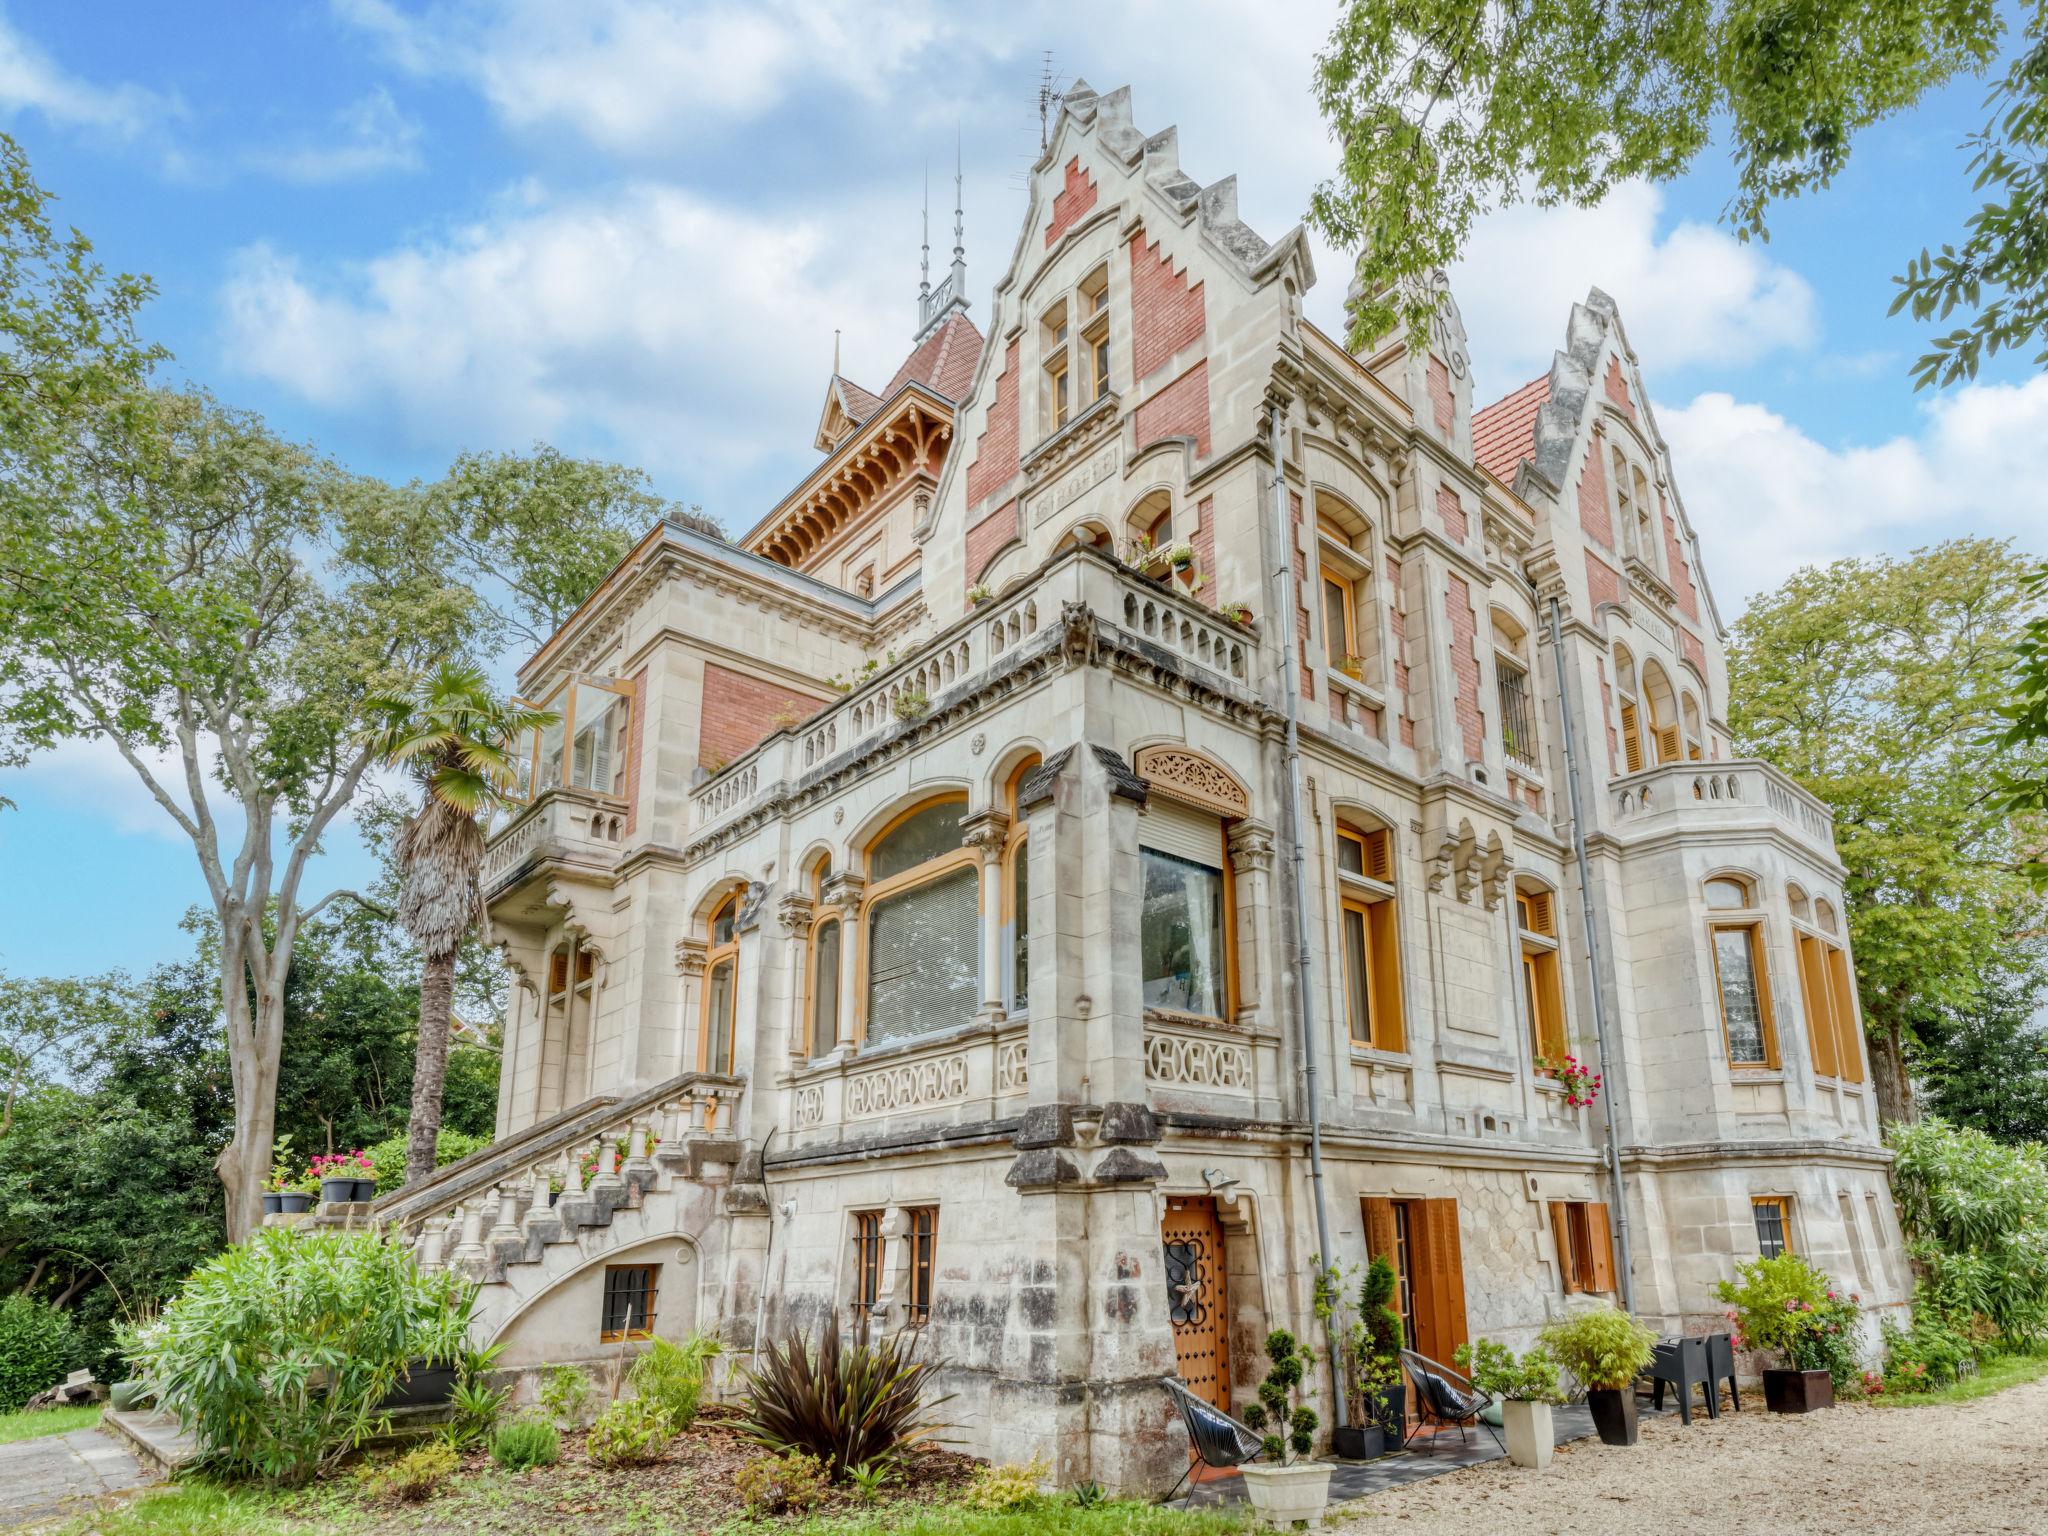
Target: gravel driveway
(1961, 1469)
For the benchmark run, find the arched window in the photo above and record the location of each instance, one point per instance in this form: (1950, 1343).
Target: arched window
(1152, 521)
(1345, 584)
(721, 988)
(1735, 933)
(1017, 899)
(1695, 738)
(822, 1016)
(922, 918)
(1511, 687)
(1624, 504)
(1369, 936)
(1646, 520)
(1663, 712)
(1828, 991)
(1631, 714)
(1542, 986)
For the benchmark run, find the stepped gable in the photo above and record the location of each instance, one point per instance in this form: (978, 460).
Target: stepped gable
(943, 362)
(1504, 433)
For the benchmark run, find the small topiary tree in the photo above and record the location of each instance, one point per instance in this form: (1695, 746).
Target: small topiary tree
(1379, 1364)
(1279, 1401)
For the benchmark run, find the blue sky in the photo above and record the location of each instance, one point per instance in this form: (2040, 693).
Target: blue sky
(631, 227)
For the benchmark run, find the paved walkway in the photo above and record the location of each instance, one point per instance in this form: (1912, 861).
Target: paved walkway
(39, 1477)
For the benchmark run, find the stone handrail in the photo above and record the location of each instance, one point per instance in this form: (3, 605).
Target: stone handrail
(562, 819)
(1743, 789)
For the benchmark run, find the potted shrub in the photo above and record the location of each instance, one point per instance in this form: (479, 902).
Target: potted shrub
(1359, 1437)
(1580, 1082)
(1237, 613)
(1604, 1349)
(345, 1177)
(1787, 1308)
(1379, 1368)
(1527, 1388)
(980, 593)
(1286, 1487)
(1180, 554)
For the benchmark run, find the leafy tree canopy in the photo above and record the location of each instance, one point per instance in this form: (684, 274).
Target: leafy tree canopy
(1986, 1066)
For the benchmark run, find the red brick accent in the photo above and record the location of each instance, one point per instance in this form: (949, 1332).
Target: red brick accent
(1603, 582)
(1617, 387)
(1166, 314)
(1181, 409)
(1398, 622)
(988, 536)
(1594, 517)
(1442, 403)
(1607, 715)
(739, 711)
(995, 460)
(1674, 561)
(1452, 511)
(1073, 200)
(1465, 665)
(636, 735)
(1308, 678)
(1694, 652)
(1204, 541)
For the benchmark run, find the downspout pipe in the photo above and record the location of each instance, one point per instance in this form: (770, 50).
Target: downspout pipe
(1624, 1268)
(1297, 847)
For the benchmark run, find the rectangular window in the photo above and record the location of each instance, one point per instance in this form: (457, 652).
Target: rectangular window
(1773, 1215)
(924, 1241)
(1517, 720)
(1585, 1246)
(924, 957)
(1842, 998)
(825, 989)
(1098, 354)
(1056, 375)
(1338, 632)
(1745, 1015)
(628, 1303)
(1358, 972)
(867, 1259)
(1020, 928)
(1181, 934)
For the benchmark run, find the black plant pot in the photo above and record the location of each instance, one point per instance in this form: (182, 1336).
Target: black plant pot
(273, 1202)
(1798, 1391)
(294, 1202)
(425, 1385)
(337, 1191)
(1358, 1442)
(1614, 1414)
(553, 1196)
(366, 1190)
(1389, 1410)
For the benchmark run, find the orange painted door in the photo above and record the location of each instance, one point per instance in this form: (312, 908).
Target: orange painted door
(1193, 1241)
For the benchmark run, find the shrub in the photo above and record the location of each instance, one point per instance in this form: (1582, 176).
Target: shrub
(994, 1489)
(1498, 1372)
(278, 1351)
(778, 1485)
(1277, 1404)
(414, 1476)
(843, 1402)
(37, 1346)
(1785, 1304)
(630, 1433)
(1976, 1213)
(565, 1396)
(869, 1479)
(526, 1442)
(673, 1376)
(477, 1410)
(1601, 1347)
(387, 1158)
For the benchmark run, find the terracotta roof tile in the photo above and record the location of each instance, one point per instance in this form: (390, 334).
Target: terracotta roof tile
(858, 403)
(1504, 433)
(944, 361)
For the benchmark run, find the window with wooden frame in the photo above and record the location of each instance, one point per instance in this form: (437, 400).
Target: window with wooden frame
(1369, 937)
(1735, 933)
(721, 988)
(921, 918)
(1630, 708)
(1185, 921)
(1661, 705)
(821, 1027)
(921, 1223)
(1017, 898)
(1059, 397)
(1647, 541)
(866, 1291)
(628, 1310)
(1827, 993)
(1344, 580)
(1773, 1217)
(1542, 984)
(587, 745)
(1421, 1239)
(1695, 738)
(1094, 294)
(1585, 1246)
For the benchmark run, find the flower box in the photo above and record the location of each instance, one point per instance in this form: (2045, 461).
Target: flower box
(1798, 1391)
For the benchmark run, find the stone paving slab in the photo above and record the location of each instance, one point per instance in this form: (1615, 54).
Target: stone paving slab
(38, 1478)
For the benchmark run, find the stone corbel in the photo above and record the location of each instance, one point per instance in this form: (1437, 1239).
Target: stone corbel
(796, 914)
(1251, 847)
(843, 890)
(986, 832)
(1495, 868)
(1443, 861)
(693, 956)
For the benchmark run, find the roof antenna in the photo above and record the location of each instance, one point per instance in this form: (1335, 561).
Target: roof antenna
(924, 264)
(1048, 100)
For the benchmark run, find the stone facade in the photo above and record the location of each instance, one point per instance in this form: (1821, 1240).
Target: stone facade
(936, 1001)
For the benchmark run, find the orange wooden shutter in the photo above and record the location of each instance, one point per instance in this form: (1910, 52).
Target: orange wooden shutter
(1667, 744)
(1379, 1230)
(1379, 856)
(1600, 1246)
(1631, 738)
(1820, 1017)
(1561, 1229)
(1446, 1276)
(1842, 989)
(1388, 1031)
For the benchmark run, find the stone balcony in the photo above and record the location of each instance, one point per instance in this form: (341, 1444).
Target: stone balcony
(1719, 797)
(575, 827)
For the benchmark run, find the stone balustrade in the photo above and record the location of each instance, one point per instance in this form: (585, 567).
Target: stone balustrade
(1701, 795)
(558, 822)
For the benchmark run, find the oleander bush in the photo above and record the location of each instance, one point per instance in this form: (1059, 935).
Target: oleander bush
(387, 1157)
(673, 1375)
(37, 1349)
(843, 1401)
(1975, 1212)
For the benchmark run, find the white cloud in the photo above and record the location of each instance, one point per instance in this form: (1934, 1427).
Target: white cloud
(370, 137)
(31, 81)
(1766, 498)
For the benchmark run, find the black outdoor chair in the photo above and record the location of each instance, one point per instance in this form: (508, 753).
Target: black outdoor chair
(1720, 1368)
(1446, 1396)
(1218, 1440)
(1682, 1363)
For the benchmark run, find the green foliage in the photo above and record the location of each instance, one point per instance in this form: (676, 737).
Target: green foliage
(388, 1156)
(673, 1375)
(1928, 1357)
(415, 1477)
(2021, 741)
(870, 1478)
(1986, 1066)
(477, 1409)
(37, 1349)
(992, 1488)
(526, 1442)
(47, 1421)
(1976, 1214)
(1089, 1494)
(844, 1401)
(1785, 1305)
(1496, 1370)
(1601, 1347)
(565, 1395)
(630, 1433)
(1872, 683)
(278, 1351)
(1293, 1422)
(780, 1485)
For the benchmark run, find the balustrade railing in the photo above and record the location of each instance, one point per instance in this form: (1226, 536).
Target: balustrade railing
(563, 820)
(1723, 792)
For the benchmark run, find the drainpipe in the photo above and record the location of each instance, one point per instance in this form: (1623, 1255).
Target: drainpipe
(1625, 1270)
(1283, 624)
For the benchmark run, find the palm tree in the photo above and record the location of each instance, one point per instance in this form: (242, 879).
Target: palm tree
(456, 738)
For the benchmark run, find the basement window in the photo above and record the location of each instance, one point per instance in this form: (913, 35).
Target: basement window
(628, 1303)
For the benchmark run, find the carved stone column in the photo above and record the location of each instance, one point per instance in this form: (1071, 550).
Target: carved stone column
(693, 958)
(988, 834)
(844, 892)
(1251, 867)
(797, 916)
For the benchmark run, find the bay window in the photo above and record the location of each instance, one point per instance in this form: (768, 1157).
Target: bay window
(922, 918)
(587, 745)
(1184, 924)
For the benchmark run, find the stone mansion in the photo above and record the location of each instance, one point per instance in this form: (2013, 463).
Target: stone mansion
(903, 913)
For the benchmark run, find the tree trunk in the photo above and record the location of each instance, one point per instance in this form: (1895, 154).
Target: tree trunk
(1889, 1075)
(430, 1064)
(255, 1040)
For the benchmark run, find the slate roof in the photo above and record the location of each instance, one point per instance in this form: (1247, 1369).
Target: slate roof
(1504, 433)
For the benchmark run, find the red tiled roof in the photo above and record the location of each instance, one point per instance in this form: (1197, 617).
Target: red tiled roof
(944, 361)
(858, 404)
(1504, 433)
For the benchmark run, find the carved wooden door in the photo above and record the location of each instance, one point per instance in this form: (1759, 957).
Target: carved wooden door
(1195, 1302)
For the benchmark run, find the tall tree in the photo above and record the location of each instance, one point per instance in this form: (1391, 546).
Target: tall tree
(457, 740)
(1986, 1066)
(1444, 109)
(2022, 741)
(1873, 683)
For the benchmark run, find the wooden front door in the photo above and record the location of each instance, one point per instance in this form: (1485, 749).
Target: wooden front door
(1193, 1240)
(1421, 1238)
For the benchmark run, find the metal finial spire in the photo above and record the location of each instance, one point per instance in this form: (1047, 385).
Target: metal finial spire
(924, 264)
(835, 351)
(959, 219)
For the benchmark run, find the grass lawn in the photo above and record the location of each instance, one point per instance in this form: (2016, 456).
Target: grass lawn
(47, 1421)
(1994, 1375)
